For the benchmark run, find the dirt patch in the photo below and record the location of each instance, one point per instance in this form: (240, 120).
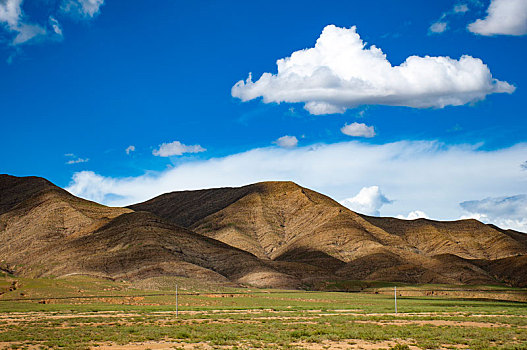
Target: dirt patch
(351, 344)
(18, 345)
(337, 345)
(439, 323)
(154, 346)
(165, 316)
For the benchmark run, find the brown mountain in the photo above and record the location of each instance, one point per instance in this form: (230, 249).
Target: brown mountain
(34, 213)
(273, 234)
(46, 231)
(286, 223)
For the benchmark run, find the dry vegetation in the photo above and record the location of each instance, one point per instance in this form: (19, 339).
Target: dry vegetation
(119, 316)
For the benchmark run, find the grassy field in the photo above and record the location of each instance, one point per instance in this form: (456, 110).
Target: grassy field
(84, 313)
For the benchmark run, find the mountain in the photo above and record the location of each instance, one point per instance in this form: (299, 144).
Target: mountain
(269, 234)
(285, 223)
(46, 231)
(34, 214)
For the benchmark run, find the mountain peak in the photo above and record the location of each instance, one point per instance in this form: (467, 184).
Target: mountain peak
(16, 189)
(272, 186)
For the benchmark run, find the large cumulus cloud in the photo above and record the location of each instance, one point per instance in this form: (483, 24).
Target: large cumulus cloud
(341, 72)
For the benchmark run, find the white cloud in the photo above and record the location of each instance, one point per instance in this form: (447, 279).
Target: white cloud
(89, 185)
(77, 161)
(416, 214)
(421, 174)
(507, 17)
(340, 72)
(438, 27)
(57, 28)
(287, 141)
(130, 149)
(441, 25)
(74, 159)
(24, 30)
(176, 148)
(368, 201)
(82, 8)
(11, 12)
(508, 212)
(358, 130)
(461, 8)
(12, 17)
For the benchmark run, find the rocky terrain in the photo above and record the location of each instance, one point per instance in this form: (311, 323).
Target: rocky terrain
(270, 234)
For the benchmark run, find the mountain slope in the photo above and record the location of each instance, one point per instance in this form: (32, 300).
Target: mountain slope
(46, 231)
(141, 245)
(271, 234)
(468, 239)
(35, 213)
(268, 219)
(284, 222)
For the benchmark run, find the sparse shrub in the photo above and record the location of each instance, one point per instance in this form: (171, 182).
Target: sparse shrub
(182, 335)
(400, 347)
(301, 333)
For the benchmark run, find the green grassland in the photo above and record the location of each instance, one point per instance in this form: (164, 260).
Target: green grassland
(81, 312)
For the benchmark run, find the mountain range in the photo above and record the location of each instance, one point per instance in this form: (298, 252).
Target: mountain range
(268, 234)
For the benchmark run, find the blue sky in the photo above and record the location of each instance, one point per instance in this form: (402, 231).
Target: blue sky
(82, 80)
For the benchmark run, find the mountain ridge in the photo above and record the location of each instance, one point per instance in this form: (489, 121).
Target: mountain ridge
(282, 221)
(268, 234)
(46, 231)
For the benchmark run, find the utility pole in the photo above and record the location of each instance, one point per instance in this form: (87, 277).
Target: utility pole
(395, 294)
(177, 305)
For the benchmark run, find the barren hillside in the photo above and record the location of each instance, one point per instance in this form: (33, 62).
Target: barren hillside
(284, 222)
(45, 231)
(270, 234)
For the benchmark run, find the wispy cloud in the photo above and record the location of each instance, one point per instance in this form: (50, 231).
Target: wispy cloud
(14, 21)
(130, 149)
(409, 173)
(82, 8)
(340, 72)
(438, 27)
(176, 148)
(510, 212)
(74, 159)
(26, 30)
(77, 161)
(57, 28)
(461, 8)
(442, 24)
